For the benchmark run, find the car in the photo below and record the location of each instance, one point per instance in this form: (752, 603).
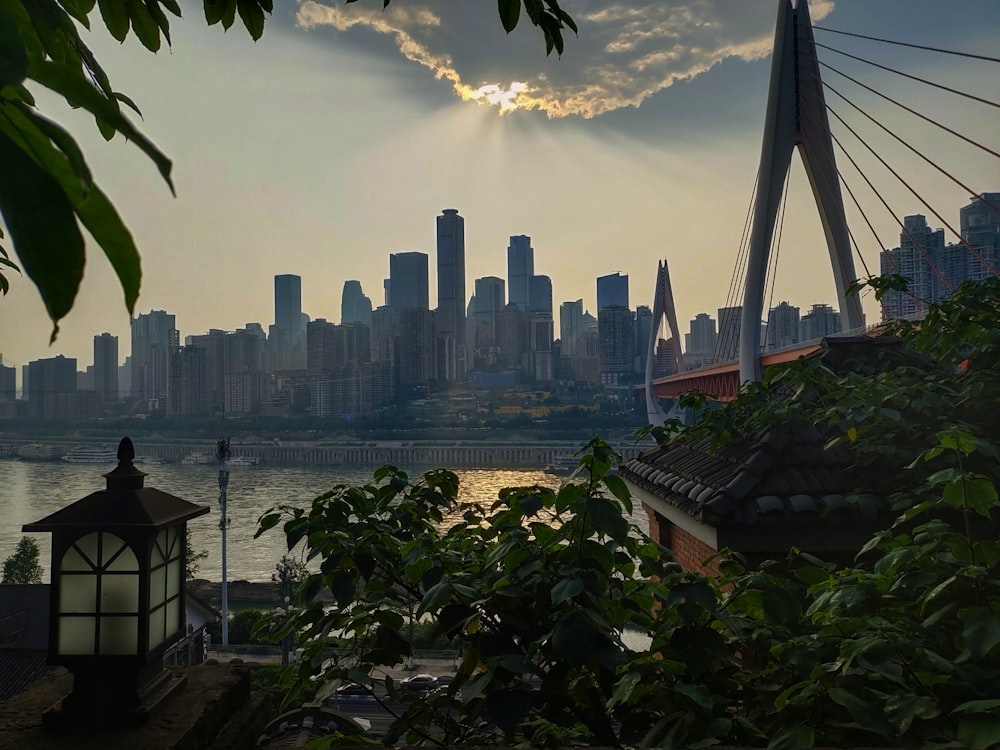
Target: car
(419, 682)
(353, 688)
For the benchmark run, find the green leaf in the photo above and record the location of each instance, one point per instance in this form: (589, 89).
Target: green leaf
(981, 630)
(978, 732)
(510, 11)
(620, 490)
(144, 25)
(987, 705)
(866, 713)
(13, 56)
(567, 588)
(43, 229)
(253, 17)
(623, 690)
(265, 522)
(64, 80)
(116, 17)
(792, 738)
(607, 518)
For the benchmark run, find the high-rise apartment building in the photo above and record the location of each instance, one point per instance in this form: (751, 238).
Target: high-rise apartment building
(50, 382)
(520, 268)
(407, 288)
(820, 321)
(728, 344)
(449, 321)
(8, 381)
(355, 306)
(615, 329)
(612, 291)
(782, 326)
(154, 337)
(540, 295)
(979, 223)
(643, 332)
(699, 344)
(416, 354)
(106, 367)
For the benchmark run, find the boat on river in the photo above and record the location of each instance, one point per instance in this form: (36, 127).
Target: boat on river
(91, 454)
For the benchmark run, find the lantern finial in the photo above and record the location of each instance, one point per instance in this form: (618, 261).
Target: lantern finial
(126, 451)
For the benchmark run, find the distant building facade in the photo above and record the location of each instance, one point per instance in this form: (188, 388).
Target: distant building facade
(520, 268)
(106, 367)
(449, 319)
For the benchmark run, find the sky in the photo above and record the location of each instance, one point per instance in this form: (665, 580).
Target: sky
(339, 137)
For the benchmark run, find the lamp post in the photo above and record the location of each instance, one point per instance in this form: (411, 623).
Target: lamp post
(117, 595)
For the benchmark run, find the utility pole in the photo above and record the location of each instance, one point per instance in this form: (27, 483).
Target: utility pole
(222, 456)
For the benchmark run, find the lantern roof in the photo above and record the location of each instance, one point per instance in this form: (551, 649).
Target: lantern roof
(124, 502)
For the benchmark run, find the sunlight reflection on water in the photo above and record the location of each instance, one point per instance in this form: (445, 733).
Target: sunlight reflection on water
(31, 490)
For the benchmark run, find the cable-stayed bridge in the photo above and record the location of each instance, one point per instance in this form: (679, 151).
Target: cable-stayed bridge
(798, 118)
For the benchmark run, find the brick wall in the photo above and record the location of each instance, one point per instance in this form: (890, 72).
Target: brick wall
(689, 551)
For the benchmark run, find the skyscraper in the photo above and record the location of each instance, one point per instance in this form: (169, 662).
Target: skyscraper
(728, 344)
(287, 337)
(571, 328)
(154, 337)
(821, 320)
(407, 288)
(612, 291)
(49, 382)
(540, 295)
(355, 306)
(782, 326)
(489, 303)
(520, 268)
(106, 367)
(450, 314)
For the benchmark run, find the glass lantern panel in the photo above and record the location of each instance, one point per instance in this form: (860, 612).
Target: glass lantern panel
(175, 576)
(173, 623)
(123, 562)
(157, 633)
(157, 587)
(74, 561)
(86, 550)
(172, 546)
(76, 636)
(120, 593)
(78, 593)
(158, 554)
(119, 635)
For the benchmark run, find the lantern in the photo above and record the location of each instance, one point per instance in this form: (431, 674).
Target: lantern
(117, 594)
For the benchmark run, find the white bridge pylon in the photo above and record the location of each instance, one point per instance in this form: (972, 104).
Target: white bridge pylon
(663, 307)
(796, 116)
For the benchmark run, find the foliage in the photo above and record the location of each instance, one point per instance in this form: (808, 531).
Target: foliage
(192, 559)
(900, 649)
(242, 625)
(47, 191)
(22, 566)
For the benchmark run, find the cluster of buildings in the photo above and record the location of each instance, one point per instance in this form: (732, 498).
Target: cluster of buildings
(500, 337)
(933, 269)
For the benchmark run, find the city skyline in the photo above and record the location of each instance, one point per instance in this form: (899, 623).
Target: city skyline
(667, 173)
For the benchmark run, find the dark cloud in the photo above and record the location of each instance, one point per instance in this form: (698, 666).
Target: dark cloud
(626, 51)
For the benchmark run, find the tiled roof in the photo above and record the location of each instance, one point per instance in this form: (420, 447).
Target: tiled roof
(784, 475)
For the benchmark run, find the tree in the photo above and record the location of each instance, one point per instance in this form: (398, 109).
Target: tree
(192, 559)
(900, 649)
(22, 566)
(46, 189)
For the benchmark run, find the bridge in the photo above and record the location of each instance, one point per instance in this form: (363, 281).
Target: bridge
(797, 120)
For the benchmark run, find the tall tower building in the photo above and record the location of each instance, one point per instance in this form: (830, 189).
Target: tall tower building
(407, 287)
(489, 303)
(8, 381)
(154, 337)
(571, 328)
(450, 315)
(540, 295)
(821, 320)
(355, 306)
(520, 268)
(49, 382)
(612, 291)
(287, 339)
(106, 367)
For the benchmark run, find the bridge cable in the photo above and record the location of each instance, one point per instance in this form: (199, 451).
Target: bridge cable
(918, 302)
(925, 118)
(986, 264)
(772, 273)
(827, 148)
(894, 215)
(913, 77)
(927, 159)
(736, 280)
(909, 44)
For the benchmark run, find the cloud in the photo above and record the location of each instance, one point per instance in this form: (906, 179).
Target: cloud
(626, 52)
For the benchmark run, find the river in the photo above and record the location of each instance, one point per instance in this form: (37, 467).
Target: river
(31, 490)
